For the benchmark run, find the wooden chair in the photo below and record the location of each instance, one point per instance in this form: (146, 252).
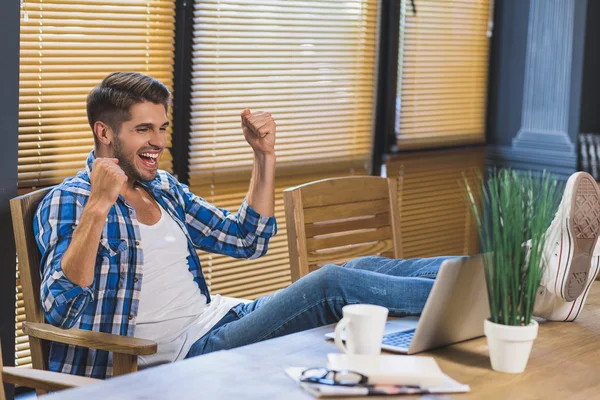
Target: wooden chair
(42, 380)
(338, 219)
(125, 349)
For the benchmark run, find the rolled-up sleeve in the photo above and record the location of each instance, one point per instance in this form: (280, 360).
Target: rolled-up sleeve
(56, 218)
(245, 234)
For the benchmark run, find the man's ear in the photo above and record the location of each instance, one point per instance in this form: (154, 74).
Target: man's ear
(103, 133)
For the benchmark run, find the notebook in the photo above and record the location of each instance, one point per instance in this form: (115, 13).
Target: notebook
(388, 375)
(390, 369)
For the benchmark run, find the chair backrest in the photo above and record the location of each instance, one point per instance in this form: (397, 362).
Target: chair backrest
(338, 219)
(23, 210)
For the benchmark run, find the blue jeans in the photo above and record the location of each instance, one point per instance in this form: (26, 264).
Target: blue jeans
(317, 299)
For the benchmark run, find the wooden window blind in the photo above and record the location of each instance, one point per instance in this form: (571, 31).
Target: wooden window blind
(311, 64)
(22, 354)
(434, 218)
(67, 48)
(442, 73)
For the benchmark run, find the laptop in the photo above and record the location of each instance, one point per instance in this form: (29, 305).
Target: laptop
(454, 311)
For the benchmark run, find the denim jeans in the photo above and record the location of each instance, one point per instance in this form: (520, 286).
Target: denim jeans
(317, 299)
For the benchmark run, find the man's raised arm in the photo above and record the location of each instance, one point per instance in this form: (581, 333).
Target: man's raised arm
(79, 261)
(259, 130)
(69, 256)
(247, 233)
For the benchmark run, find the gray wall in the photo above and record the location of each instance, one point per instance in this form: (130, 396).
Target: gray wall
(9, 120)
(590, 98)
(543, 83)
(507, 71)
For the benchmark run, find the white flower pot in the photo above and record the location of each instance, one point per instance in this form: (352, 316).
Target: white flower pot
(510, 345)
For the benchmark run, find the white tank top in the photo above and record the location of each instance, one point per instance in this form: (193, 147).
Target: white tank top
(172, 310)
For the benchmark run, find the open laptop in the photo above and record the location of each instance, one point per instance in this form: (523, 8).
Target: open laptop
(454, 311)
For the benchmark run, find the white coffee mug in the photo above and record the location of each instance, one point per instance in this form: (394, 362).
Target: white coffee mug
(364, 325)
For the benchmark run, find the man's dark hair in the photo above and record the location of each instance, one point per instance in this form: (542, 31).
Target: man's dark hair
(112, 99)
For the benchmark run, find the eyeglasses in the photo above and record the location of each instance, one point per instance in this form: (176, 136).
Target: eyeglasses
(327, 376)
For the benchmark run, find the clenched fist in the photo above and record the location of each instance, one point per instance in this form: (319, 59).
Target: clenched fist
(107, 179)
(259, 130)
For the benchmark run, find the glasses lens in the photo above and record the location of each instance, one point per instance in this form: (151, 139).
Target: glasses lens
(315, 373)
(331, 377)
(348, 378)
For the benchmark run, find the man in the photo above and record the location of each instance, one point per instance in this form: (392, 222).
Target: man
(118, 247)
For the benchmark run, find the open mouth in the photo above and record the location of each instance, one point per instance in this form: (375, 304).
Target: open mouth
(149, 160)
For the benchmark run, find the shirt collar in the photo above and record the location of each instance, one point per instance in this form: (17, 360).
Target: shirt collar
(156, 183)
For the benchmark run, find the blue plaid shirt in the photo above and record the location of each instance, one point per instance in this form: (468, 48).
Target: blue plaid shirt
(110, 304)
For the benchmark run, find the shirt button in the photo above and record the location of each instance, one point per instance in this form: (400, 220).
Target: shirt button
(135, 280)
(130, 317)
(137, 242)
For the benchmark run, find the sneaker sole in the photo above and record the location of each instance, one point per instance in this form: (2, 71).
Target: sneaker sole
(577, 306)
(581, 235)
(560, 310)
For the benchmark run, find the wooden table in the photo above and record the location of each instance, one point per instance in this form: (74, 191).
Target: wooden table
(564, 364)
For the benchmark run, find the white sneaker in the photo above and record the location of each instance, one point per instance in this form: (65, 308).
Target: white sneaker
(572, 237)
(572, 249)
(553, 308)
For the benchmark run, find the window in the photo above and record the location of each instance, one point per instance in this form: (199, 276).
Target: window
(309, 63)
(435, 217)
(442, 73)
(67, 48)
(441, 102)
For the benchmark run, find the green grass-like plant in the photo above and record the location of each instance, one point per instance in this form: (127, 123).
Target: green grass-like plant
(515, 210)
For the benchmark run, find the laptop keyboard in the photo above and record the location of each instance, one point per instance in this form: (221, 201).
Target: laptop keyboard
(399, 339)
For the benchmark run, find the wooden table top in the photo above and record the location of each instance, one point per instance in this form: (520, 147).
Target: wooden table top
(564, 363)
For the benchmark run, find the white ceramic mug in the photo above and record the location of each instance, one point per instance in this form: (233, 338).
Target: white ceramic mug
(364, 325)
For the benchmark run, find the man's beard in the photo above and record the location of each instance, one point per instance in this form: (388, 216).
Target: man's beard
(126, 164)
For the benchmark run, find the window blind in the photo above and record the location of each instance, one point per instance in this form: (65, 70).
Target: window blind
(311, 64)
(434, 216)
(442, 73)
(22, 353)
(67, 48)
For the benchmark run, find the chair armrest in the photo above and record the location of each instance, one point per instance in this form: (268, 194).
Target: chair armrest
(93, 340)
(44, 380)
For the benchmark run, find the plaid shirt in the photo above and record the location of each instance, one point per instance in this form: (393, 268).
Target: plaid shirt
(110, 304)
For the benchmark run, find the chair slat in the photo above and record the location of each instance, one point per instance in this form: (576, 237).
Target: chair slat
(368, 222)
(337, 191)
(341, 240)
(349, 210)
(339, 256)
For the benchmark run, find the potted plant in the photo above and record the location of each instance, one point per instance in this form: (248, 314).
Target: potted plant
(512, 211)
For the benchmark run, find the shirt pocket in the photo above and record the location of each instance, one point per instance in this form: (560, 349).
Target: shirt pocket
(112, 247)
(112, 253)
